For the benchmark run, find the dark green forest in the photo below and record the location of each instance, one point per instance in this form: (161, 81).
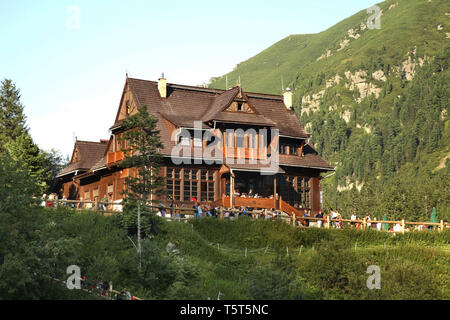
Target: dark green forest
(376, 103)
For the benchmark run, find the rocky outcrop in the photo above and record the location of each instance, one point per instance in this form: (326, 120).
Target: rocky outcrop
(333, 81)
(379, 75)
(343, 44)
(349, 185)
(311, 102)
(346, 115)
(358, 81)
(365, 127)
(392, 6)
(325, 55)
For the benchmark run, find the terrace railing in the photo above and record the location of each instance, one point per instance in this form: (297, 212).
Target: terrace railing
(295, 220)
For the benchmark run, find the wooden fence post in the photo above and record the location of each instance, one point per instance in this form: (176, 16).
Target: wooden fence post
(221, 212)
(403, 225)
(441, 226)
(364, 224)
(327, 225)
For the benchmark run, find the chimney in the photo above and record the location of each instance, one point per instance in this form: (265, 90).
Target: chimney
(288, 98)
(162, 86)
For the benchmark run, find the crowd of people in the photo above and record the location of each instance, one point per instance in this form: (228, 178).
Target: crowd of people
(105, 203)
(207, 210)
(336, 220)
(104, 288)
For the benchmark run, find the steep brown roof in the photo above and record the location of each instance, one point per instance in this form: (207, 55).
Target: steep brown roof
(310, 159)
(220, 102)
(89, 152)
(186, 104)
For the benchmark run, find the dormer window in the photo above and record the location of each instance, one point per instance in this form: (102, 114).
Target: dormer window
(240, 107)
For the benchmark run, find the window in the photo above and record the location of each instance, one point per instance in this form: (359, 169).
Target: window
(128, 107)
(306, 192)
(110, 189)
(300, 197)
(293, 149)
(190, 184)
(230, 138)
(207, 185)
(303, 191)
(96, 194)
(173, 185)
(191, 180)
(283, 148)
(240, 140)
(239, 107)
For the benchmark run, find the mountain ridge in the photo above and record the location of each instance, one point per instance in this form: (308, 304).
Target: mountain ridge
(374, 100)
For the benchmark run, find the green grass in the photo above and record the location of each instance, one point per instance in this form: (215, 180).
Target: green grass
(282, 262)
(411, 23)
(327, 257)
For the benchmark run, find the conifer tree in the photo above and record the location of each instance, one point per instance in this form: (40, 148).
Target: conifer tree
(142, 153)
(12, 118)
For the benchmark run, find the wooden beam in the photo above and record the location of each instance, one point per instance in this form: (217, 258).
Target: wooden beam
(275, 191)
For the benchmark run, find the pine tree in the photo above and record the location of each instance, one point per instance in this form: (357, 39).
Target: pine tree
(142, 153)
(24, 151)
(12, 118)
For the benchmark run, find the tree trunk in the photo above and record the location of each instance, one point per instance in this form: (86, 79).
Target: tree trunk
(139, 234)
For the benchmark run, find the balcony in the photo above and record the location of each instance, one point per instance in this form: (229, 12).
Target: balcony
(113, 157)
(245, 153)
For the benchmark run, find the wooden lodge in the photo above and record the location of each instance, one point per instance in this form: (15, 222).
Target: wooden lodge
(261, 159)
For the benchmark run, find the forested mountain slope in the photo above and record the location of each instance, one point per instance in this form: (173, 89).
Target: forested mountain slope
(376, 102)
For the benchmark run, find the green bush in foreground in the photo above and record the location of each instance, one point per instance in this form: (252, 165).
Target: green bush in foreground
(38, 243)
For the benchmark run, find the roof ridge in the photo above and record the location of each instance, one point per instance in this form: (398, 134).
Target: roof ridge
(85, 141)
(214, 90)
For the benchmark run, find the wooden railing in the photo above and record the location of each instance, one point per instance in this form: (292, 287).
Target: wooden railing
(288, 209)
(265, 203)
(364, 223)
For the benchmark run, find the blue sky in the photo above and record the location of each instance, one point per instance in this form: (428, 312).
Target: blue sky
(71, 75)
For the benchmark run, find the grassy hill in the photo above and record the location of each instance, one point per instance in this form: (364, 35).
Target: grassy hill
(241, 259)
(410, 23)
(376, 102)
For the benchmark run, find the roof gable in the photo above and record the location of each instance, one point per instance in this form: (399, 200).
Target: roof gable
(85, 155)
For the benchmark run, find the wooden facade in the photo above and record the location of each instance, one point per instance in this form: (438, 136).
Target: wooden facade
(238, 121)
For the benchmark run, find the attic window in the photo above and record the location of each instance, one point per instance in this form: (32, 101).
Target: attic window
(239, 106)
(128, 107)
(76, 156)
